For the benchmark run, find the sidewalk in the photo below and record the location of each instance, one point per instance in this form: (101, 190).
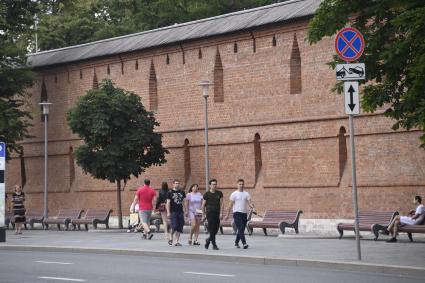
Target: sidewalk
(289, 250)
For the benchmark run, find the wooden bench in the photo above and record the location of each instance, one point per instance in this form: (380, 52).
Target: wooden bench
(94, 217)
(63, 217)
(372, 221)
(274, 218)
(230, 221)
(9, 217)
(227, 223)
(32, 217)
(411, 229)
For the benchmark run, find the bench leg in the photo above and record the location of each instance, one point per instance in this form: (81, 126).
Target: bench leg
(282, 227)
(341, 232)
(59, 226)
(410, 236)
(250, 230)
(157, 225)
(265, 231)
(221, 230)
(235, 229)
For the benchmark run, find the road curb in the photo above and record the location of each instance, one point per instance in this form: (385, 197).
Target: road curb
(333, 265)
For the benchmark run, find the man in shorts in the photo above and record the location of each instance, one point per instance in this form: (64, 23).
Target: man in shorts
(416, 218)
(146, 197)
(175, 211)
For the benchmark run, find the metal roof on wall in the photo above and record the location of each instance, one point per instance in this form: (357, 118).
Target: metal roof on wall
(223, 24)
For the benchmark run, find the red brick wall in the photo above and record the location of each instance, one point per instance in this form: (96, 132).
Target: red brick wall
(299, 144)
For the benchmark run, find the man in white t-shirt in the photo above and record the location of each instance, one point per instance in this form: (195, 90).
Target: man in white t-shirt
(239, 201)
(416, 217)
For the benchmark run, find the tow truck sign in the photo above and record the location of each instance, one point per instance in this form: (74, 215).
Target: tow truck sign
(350, 72)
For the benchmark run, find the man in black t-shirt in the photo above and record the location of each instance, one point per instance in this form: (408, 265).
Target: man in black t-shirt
(175, 211)
(212, 207)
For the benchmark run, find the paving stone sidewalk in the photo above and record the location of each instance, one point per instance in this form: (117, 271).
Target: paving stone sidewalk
(306, 247)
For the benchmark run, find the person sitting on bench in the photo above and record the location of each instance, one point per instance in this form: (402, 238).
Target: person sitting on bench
(416, 217)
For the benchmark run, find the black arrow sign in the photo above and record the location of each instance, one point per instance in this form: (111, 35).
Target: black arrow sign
(351, 104)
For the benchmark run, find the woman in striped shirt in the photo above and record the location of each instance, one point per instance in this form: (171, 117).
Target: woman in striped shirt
(18, 198)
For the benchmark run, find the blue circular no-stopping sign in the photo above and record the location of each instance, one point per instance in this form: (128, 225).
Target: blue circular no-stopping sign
(349, 44)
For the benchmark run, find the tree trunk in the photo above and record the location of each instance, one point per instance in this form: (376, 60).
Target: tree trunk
(119, 204)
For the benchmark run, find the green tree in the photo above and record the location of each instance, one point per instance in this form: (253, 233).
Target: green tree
(70, 22)
(67, 22)
(16, 20)
(118, 134)
(394, 33)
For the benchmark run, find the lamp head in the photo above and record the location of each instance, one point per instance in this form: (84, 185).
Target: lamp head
(45, 105)
(205, 85)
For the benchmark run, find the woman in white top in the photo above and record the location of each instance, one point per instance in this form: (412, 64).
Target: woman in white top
(416, 217)
(194, 204)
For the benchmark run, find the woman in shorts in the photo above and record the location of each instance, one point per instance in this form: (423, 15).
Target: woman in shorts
(161, 208)
(194, 213)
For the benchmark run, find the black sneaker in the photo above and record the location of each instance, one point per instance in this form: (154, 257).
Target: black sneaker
(215, 247)
(237, 245)
(245, 246)
(392, 240)
(207, 244)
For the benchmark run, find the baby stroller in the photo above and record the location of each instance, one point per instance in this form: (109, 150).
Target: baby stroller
(134, 223)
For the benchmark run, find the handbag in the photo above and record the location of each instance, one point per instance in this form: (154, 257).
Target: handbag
(134, 219)
(161, 207)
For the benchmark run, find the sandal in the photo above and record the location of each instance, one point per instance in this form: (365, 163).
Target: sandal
(170, 242)
(178, 244)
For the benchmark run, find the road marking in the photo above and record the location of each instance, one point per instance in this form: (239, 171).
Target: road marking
(53, 262)
(61, 278)
(210, 274)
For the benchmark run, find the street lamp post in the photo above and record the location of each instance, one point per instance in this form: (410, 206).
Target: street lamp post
(205, 85)
(45, 114)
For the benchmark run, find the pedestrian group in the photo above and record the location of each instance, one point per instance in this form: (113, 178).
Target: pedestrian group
(174, 206)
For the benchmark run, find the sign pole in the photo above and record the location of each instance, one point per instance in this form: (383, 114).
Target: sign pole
(2, 192)
(354, 185)
(349, 45)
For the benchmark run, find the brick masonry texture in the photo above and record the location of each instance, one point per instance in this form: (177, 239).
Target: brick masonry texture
(304, 163)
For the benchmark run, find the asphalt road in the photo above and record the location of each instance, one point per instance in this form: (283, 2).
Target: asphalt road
(73, 267)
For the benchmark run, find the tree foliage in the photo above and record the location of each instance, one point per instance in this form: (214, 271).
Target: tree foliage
(394, 33)
(70, 22)
(16, 19)
(118, 133)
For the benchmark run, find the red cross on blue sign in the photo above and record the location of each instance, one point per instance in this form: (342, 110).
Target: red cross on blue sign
(349, 44)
